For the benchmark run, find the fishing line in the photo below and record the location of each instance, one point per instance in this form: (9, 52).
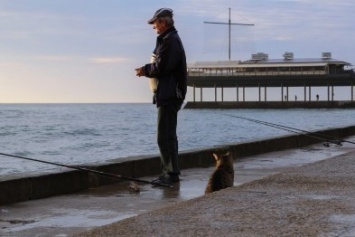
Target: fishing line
(117, 176)
(315, 135)
(289, 129)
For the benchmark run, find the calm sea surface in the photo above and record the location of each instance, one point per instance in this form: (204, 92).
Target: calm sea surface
(91, 133)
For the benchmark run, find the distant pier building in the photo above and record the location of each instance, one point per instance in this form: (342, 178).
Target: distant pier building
(263, 73)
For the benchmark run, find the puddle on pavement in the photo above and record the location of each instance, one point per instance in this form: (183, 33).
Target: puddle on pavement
(343, 218)
(321, 197)
(346, 224)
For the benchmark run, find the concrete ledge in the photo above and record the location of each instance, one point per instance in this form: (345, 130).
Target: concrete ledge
(57, 184)
(17, 188)
(314, 199)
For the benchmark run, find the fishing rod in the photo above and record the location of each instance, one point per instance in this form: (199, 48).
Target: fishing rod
(117, 176)
(315, 135)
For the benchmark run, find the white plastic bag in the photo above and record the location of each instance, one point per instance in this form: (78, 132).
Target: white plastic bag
(153, 82)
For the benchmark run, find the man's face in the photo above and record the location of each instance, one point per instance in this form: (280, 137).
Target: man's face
(159, 26)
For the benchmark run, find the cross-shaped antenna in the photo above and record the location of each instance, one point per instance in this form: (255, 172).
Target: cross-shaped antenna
(229, 29)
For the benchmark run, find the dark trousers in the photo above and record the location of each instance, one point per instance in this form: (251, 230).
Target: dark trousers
(167, 138)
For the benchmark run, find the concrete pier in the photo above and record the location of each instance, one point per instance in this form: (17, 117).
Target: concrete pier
(30, 186)
(305, 191)
(261, 73)
(312, 200)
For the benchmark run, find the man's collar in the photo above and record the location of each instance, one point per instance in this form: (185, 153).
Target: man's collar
(165, 33)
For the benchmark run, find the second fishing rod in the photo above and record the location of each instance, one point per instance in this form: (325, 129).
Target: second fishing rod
(316, 135)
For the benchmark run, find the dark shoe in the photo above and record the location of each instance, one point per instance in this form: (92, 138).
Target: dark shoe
(162, 180)
(166, 180)
(174, 178)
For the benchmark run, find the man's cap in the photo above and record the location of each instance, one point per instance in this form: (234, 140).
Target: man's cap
(162, 12)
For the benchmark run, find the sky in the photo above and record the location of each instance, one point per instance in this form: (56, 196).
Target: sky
(85, 51)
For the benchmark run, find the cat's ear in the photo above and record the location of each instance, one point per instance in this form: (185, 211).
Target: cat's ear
(215, 156)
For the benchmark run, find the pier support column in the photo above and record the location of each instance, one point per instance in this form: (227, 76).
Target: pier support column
(215, 93)
(237, 93)
(194, 92)
(328, 92)
(201, 98)
(287, 93)
(243, 94)
(310, 93)
(265, 94)
(352, 91)
(222, 94)
(259, 93)
(332, 93)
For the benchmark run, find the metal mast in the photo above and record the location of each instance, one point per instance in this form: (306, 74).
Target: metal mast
(229, 30)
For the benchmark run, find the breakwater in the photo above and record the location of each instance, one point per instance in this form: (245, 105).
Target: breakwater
(29, 186)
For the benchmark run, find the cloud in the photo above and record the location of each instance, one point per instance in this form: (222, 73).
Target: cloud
(53, 58)
(109, 60)
(10, 65)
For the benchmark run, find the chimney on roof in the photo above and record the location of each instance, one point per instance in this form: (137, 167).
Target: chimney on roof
(260, 57)
(288, 55)
(326, 55)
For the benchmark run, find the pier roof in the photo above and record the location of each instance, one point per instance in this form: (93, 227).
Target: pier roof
(305, 61)
(268, 63)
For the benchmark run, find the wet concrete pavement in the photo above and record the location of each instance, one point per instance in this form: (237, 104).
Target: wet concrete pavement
(68, 215)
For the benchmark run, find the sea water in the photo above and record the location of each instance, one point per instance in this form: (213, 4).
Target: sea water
(75, 134)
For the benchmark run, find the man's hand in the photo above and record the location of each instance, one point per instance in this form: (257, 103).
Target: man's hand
(140, 71)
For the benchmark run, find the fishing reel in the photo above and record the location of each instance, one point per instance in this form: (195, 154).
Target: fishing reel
(336, 142)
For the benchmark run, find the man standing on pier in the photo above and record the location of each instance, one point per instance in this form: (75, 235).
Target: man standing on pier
(170, 70)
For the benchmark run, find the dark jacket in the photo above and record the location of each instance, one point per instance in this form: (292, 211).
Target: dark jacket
(169, 68)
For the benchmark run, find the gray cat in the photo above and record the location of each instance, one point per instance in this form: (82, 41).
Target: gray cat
(223, 176)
